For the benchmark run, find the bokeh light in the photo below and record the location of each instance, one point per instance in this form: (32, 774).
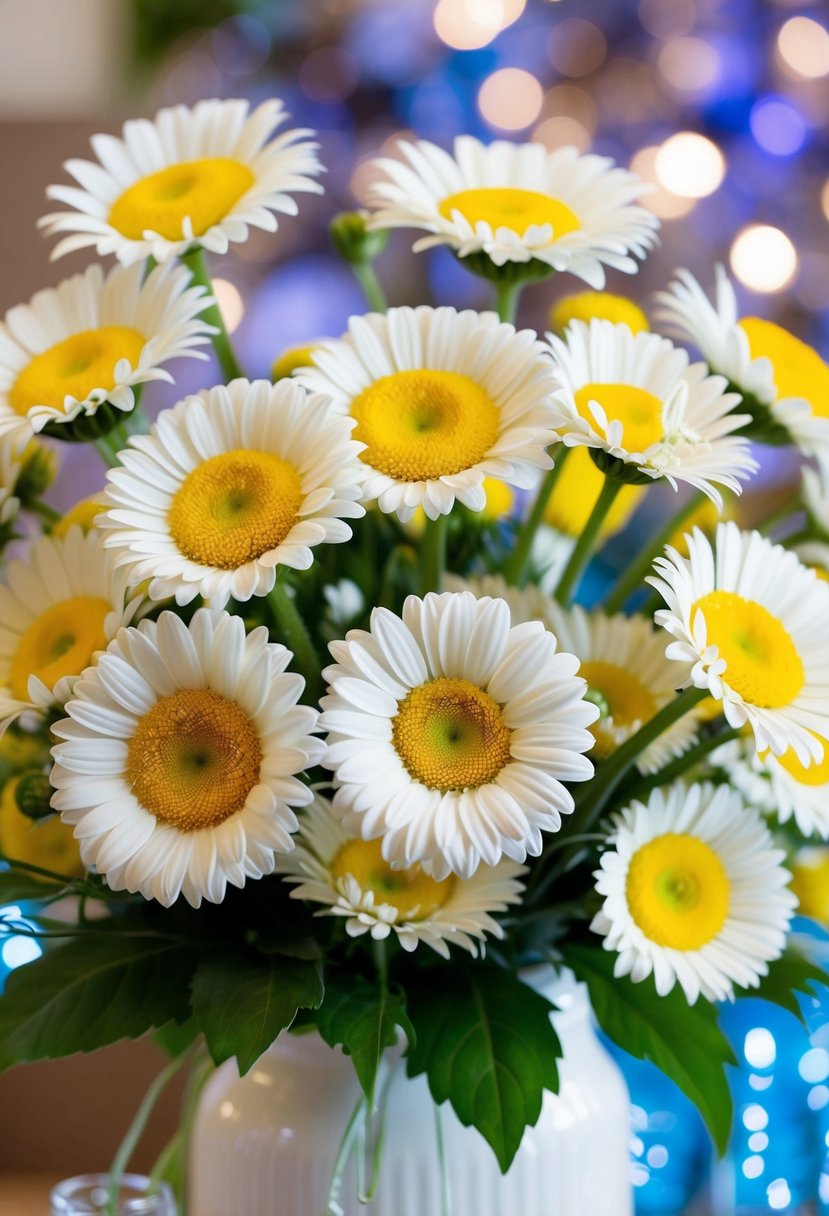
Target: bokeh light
(510, 99)
(763, 258)
(689, 165)
(231, 304)
(778, 126)
(661, 202)
(690, 65)
(468, 25)
(577, 47)
(804, 47)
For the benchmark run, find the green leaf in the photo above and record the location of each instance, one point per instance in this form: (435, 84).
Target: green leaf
(486, 1043)
(788, 975)
(362, 1018)
(175, 1038)
(683, 1040)
(90, 992)
(242, 1002)
(17, 886)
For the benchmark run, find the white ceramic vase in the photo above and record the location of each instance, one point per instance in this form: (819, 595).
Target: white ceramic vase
(265, 1144)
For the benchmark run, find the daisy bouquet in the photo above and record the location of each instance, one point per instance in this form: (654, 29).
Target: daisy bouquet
(305, 728)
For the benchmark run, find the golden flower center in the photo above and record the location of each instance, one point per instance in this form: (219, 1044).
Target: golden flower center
(598, 305)
(798, 370)
(677, 891)
(577, 489)
(414, 894)
(511, 208)
(75, 367)
(234, 507)
(451, 735)
(762, 662)
(639, 412)
(424, 424)
(59, 642)
(48, 843)
(194, 758)
(816, 773)
(628, 700)
(203, 191)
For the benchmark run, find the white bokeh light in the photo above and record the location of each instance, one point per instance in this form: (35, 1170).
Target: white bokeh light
(689, 165)
(804, 47)
(511, 99)
(763, 258)
(230, 302)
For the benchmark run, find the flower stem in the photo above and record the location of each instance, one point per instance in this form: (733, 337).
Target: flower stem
(507, 296)
(685, 762)
(295, 635)
(107, 451)
(573, 571)
(332, 1203)
(366, 276)
(136, 1130)
(515, 568)
(433, 554)
(196, 263)
(632, 577)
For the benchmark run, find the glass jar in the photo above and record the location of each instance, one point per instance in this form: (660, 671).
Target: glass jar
(88, 1195)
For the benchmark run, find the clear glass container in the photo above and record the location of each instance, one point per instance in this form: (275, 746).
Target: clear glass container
(88, 1195)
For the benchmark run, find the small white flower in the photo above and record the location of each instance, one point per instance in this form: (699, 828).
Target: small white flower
(353, 880)
(178, 769)
(694, 892)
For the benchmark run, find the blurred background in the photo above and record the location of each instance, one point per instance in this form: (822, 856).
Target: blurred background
(722, 105)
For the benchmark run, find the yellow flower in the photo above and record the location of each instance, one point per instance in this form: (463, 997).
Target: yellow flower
(810, 883)
(293, 357)
(601, 305)
(83, 513)
(47, 843)
(20, 749)
(575, 495)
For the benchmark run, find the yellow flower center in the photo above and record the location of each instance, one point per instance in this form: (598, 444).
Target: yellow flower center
(677, 891)
(60, 642)
(511, 208)
(762, 663)
(83, 515)
(47, 843)
(424, 424)
(202, 190)
(415, 895)
(233, 508)
(194, 758)
(292, 358)
(639, 412)
(816, 773)
(823, 575)
(799, 371)
(628, 700)
(450, 735)
(75, 367)
(577, 489)
(810, 883)
(588, 306)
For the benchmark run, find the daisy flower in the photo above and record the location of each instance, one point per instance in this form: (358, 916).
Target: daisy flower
(451, 732)
(637, 398)
(59, 608)
(228, 485)
(781, 785)
(694, 892)
(10, 470)
(517, 203)
(178, 764)
(190, 177)
(752, 621)
(600, 306)
(815, 553)
(441, 399)
(352, 878)
(90, 340)
(783, 382)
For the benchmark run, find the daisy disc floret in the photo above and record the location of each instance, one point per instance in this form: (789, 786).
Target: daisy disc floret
(450, 733)
(694, 892)
(751, 619)
(190, 177)
(353, 880)
(88, 343)
(441, 399)
(59, 608)
(783, 381)
(179, 761)
(510, 205)
(229, 485)
(636, 398)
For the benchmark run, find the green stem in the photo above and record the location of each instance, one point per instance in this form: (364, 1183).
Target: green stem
(136, 1130)
(332, 1203)
(573, 571)
(685, 762)
(15, 864)
(507, 296)
(107, 451)
(366, 276)
(443, 1174)
(433, 554)
(171, 1163)
(196, 263)
(295, 635)
(631, 578)
(48, 514)
(515, 568)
